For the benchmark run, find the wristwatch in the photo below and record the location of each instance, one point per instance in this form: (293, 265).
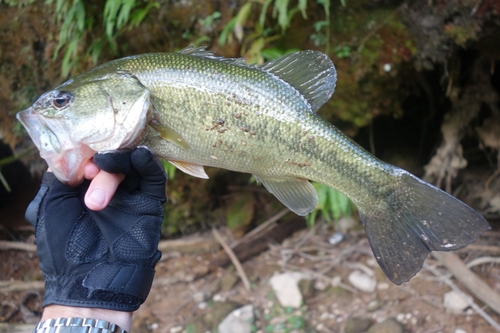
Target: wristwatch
(77, 325)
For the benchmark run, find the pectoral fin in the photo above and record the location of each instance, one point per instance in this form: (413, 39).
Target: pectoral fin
(297, 194)
(194, 170)
(169, 134)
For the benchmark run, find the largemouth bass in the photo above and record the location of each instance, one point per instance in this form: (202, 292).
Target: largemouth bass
(195, 109)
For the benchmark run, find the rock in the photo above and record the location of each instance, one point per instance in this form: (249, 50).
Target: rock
(459, 330)
(286, 289)
(357, 325)
(454, 303)
(348, 223)
(240, 320)
(362, 281)
(336, 238)
(306, 287)
(210, 320)
(228, 280)
(176, 329)
(387, 326)
(373, 305)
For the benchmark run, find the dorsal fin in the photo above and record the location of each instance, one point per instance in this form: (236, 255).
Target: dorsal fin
(201, 52)
(312, 73)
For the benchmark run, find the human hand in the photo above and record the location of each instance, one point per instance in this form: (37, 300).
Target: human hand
(101, 259)
(102, 187)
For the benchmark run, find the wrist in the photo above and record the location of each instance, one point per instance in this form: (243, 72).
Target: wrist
(120, 318)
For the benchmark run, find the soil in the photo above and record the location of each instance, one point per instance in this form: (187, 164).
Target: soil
(188, 294)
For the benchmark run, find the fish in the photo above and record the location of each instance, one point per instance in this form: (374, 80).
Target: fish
(196, 109)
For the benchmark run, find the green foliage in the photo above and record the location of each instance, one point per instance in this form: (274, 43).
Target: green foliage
(343, 51)
(332, 205)
(77, 22)
(288, 319)
(274, 18)
(169, 169)
(18, 3)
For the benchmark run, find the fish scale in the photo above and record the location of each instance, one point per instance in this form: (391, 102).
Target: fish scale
(194, 109)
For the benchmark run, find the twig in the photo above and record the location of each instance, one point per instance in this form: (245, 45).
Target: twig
(490, 179)
(466, 297)
(6, 245)
(12, 286)
(470, 280)
(483, 248)
(191, 245)
(233, 258)
(374, 30)
(482, 260)
(4, 182)
(261, 227)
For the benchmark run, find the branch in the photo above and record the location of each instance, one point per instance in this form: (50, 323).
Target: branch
(233, 258)
(468, 299)
(470, 280)
(12, 286)
(6, 245)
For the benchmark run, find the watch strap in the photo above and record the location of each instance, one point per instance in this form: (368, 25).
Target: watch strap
(77, 325)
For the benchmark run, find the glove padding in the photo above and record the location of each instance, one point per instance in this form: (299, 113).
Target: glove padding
(101, 259)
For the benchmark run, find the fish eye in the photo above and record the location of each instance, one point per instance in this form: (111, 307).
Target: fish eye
(62, 99)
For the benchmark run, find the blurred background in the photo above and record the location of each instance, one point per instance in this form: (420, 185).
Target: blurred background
(418, 86)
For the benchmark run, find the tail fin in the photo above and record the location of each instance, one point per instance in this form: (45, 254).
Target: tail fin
(414, 220)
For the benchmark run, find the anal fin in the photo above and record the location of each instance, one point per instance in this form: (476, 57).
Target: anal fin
(297, 194)
(194, 170)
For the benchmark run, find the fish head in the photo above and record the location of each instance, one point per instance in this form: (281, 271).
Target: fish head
(84, 116)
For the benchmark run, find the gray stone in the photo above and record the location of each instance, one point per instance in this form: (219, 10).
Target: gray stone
(362, 281)
(387, 326)
(373, 305)
(286, 289)
(306, 287)
(211, 319)
(348, 223)
(454, 303)
(239, 320)
(228, 281)
(357, 325)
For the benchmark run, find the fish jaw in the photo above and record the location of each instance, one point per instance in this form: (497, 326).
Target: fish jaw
(65, 158)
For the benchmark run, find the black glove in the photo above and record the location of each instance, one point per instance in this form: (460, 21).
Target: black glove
(101, 259)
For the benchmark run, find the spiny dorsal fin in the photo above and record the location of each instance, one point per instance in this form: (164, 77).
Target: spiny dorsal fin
(312, 73)
(201, 52)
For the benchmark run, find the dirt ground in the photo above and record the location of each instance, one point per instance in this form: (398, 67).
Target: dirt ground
(187, 295)
(190, 295)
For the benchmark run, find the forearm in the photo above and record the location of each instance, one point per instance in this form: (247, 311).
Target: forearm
(120, 318)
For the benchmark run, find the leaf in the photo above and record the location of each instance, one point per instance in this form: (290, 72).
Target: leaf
(169, 169)
(200, 40)
(224, 35)
(281, 6)
(319, 25)
(241, 19)
(124, 13)
(263, 12)
(302, 7)
(80, 15)
(139, 14)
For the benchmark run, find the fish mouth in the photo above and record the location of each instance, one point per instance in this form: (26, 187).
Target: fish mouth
(64, 157)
